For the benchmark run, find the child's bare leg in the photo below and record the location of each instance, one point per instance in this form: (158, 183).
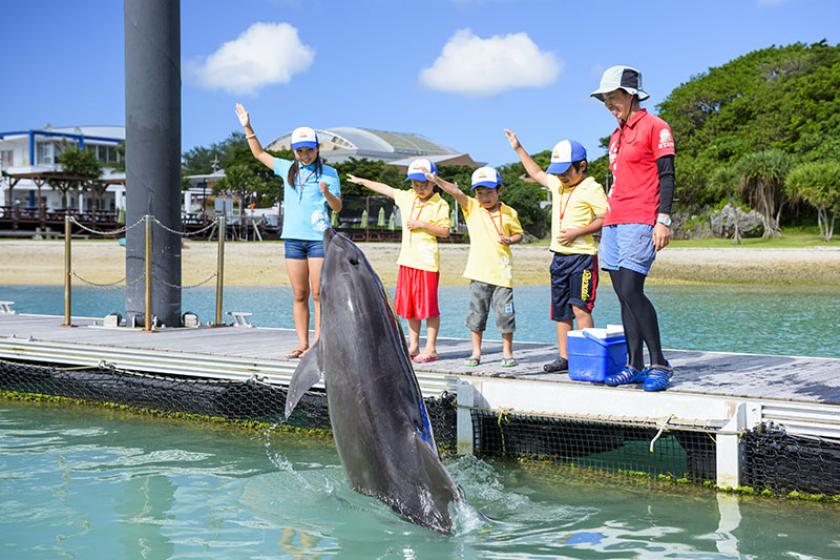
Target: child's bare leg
(563, 328)
(507, 344)
(432, 327)
(583, 317)
(476, 343)
(414, 336)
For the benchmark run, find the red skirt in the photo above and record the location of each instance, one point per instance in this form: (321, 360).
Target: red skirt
(417, 293)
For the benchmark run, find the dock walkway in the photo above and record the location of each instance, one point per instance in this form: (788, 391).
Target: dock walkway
(724, 394)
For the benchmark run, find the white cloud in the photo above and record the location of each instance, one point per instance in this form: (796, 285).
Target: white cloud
(265, 53)
(471, 65)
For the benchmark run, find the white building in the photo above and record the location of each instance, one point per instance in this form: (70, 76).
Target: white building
(25, 155)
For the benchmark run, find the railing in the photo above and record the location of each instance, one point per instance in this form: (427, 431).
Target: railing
(148, 276)
(17, 217)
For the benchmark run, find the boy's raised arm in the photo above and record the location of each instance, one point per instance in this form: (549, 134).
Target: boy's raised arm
(531, 166)
(380, 188)
(460, 197)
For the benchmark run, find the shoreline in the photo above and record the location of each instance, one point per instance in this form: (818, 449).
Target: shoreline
(41, 263)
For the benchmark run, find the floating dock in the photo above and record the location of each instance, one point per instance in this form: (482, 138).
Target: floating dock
(726, 397)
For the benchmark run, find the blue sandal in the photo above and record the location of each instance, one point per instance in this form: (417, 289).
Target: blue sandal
(658, 378)
(627, 375)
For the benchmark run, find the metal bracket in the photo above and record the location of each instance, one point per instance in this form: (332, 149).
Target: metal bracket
(241, 319)
(6, 308)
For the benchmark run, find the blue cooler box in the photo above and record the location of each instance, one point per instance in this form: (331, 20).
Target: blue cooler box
(596, 353)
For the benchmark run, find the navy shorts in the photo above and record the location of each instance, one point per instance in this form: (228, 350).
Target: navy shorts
(627, 246)
(574, 281)
(302, 249)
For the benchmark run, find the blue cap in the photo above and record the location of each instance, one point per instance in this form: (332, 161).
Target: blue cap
(418, 168)
(304, 137)
(564, 154)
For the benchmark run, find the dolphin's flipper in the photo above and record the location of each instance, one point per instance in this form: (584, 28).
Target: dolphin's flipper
(307, 374)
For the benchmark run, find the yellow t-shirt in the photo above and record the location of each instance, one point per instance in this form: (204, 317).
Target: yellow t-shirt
(575, 208)
(419, 248)
(489, 261)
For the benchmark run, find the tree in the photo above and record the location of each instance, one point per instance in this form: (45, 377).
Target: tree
(241, 181)
(818, 184)
(762, 178)
(80, 169)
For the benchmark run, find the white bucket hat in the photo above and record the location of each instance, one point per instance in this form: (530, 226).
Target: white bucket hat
(620, 77)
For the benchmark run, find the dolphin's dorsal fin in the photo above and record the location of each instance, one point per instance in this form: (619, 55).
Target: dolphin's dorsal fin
(307, 374)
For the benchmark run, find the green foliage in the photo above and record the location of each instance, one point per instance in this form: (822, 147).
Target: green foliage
(818, 184)
(761, 180)
(368, 169)
(780, 100)
(83, 169)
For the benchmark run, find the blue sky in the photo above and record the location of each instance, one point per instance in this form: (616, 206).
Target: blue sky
(456, 71)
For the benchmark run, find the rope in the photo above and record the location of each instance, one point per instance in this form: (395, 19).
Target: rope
(662, 427)
(183, 233)
(684, 426)
(502, 415)
(111, 285)
(165, 283)
(101, 232)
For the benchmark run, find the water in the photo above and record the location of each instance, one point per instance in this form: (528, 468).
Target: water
(87, 483)
(758, 319)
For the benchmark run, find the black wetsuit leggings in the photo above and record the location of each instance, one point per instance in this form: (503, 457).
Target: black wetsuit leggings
(638, 317)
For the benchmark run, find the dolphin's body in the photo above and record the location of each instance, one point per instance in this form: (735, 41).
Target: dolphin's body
(379, 421)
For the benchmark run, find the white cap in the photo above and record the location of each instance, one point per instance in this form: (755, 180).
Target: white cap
(304, 137)
(486, 177)
(620, 77)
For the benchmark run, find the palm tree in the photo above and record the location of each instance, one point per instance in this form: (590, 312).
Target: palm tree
(762, 178)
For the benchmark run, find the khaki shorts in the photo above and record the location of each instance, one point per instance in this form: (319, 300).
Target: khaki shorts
(482, 297)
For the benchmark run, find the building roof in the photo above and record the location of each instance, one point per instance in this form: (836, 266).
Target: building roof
(340, 143)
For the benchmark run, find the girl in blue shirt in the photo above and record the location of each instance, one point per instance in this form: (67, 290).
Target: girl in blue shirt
(309, 187)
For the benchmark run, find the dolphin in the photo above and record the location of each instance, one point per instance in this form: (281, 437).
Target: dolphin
(379, 420)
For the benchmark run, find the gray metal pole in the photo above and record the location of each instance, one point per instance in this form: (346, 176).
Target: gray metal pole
(153, 153)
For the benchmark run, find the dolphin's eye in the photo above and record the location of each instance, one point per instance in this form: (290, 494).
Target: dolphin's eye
(354, 260)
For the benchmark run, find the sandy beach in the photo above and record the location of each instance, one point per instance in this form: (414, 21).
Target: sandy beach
(29, 262)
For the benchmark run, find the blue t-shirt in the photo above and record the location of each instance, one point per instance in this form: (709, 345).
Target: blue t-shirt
(304, 207)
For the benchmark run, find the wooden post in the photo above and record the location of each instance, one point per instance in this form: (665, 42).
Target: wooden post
(147, 325)
(68, 233)
(220, 270)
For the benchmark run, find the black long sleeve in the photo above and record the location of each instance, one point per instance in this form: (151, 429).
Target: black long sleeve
(665, 166)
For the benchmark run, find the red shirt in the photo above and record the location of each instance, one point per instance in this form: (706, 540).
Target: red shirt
(634, 149)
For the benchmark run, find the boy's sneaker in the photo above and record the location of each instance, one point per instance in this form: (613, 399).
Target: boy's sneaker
(628, 375)
(559, 365)
(658, 378)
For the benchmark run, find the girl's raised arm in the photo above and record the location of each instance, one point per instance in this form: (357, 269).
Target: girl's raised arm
(256, 148)
(380, 188)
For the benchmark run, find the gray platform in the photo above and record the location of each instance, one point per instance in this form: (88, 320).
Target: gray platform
(788, 378)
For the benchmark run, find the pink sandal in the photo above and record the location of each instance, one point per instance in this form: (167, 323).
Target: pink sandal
(425, 358)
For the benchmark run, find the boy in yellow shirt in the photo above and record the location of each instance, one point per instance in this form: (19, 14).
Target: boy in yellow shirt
(493, 227)
(425, 217)
(578, 205)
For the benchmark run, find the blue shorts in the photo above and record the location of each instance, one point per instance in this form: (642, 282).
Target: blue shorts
(301, 249)
(627, 246)
(574, 281)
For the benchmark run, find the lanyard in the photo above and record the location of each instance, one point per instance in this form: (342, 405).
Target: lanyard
(568, 199)
(419, 210)
(299, 186)
(500, 228)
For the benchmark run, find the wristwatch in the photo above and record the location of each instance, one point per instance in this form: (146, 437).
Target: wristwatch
(665, 221)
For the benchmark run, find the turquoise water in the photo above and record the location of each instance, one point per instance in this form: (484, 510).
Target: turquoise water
(757, 319)
(85, 483)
